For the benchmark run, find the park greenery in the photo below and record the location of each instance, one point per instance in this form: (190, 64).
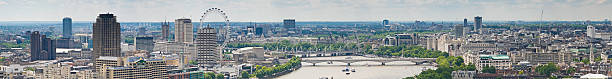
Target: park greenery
(13, 45)
(570, 70)
(301, 46)
(210, 75)
(383, 34)
(488, 69)
(446, 65)
(406, 51)
(263, 71)
(585, 61)
(547, 69)
(536, 25)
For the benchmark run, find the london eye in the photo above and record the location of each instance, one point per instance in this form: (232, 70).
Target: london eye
(222, 35)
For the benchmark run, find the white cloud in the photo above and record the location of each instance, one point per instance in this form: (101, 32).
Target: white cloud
(3, 3)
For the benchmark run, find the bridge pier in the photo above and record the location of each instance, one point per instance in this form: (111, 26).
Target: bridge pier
(348, 64)
(383, 63)
(314, 64)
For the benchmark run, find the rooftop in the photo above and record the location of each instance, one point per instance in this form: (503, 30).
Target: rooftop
(495, 57)
(594, 76)
(108, 58)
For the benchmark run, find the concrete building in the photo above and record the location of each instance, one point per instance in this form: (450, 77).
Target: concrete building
(67, 27)
(139, 68)
(106, 36)
(74, 53)
(144, 43)
(500, 62)
(41, 47)
(68, 43)
(206, 45)
(463, 74)
(475, 47)
(103, 62)
(458, 30)
(390, 41)
(590, 31)
(55, 71)
(81, 74)
(251, 53)
(407, 39)
(186, 52)
(432, 43)
(187, 75)
(183, 31)
(543, 57)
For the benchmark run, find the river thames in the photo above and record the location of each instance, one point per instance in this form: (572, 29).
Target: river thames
(363, 70)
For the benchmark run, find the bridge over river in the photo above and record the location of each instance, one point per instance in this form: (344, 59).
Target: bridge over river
(350, 60)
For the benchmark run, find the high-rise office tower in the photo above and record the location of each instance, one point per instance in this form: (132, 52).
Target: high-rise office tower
(183, 31)
(206, 45)
(385, 22)
(48, 48)
(465, 22)
(165, 30)
(289, 23)
(41, 47)
(458, 30)
(590, 31)
(477, 24)
(67, 29)
(106, 36)
(35, 45)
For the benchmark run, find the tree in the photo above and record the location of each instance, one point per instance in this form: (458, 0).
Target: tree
(409, 78)
(585, 61)
(598, 59)
(547, 69)
(469, 67)
(244, 74)
(570, 70)
(263, 71)
(444, 68)
(219, 76)
(488, 69)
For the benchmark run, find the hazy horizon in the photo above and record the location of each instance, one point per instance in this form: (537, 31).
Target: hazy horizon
(309, 10)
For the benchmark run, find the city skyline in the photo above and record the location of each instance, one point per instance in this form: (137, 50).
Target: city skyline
(305, 39)
(312, 10)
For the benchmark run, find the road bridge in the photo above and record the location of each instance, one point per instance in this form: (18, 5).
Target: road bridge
(381, 60)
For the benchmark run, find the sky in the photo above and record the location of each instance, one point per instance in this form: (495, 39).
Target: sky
(308, 10)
